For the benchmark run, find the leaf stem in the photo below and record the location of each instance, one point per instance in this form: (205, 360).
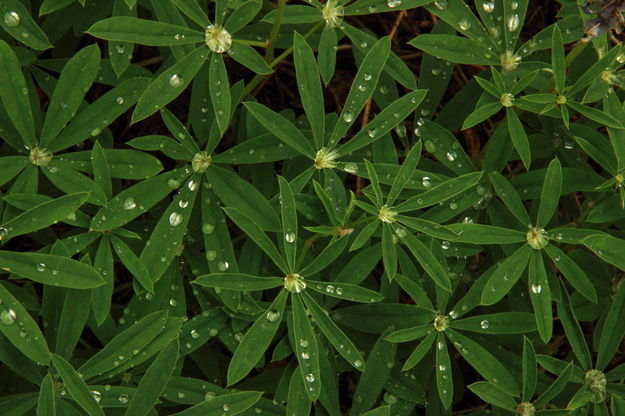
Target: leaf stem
(275, 30)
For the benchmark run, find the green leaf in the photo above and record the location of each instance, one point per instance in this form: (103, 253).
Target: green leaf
(45, 404)
(71, 181)
(72, 321)
(485, 234)
(137, 337)
(219, 87)
(136, 200)
(573, 273)
(326, 55)
(483, 362)
(540, 295)
(45, 214)
(26, 31)
(389, 252)
(444, 381)
(518, 137)
(455, 49)
(594, 71)
(153, 381)
(374, 378)
(387, 120)
(405, 173)
(493, 395)
(497, 323)
(550, 194)
(326, 257)
(170, 229)
(442, 192)
(93, 119)
(193, 10)
(76, 386)
(76, 78)
(297, 400)
(595, 115)
(50, 269)
(237, 193)
(14, 94)
(102, 296)
(428, 228)
(289, 222)
(309, 85)
(410, 334)
(427, 260)
(169, 84)
(345, 291)
(258, 236)
(529, 370)
(556, 387)
(234, 402)
(613, 330)
(480, 114)
(238, 281)
(342, 344)
(247, 56)
(306, 348)
(558, 62)
(609, 249)
(282, 128)
(257, 340)
(573, 331)
(133, 263)
(19, 328)
(510, 198)
(506, 275)
(144, 32)
(419, 352)
(362, 87)
(101, 173)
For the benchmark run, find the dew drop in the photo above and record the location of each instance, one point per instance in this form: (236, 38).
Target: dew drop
(11, 19)
(272, 315)
(176, 81)
(175, 219)
(310, 377)
(208, 228)
(8, 316)
(513, 22)
(484, 324)
(464, 24)
(289, 237)
(488, 6)
(536, 288)
(348, 117)
(129, 203)
(123, 398)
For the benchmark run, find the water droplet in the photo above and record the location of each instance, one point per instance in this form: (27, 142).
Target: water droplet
(289, 237)
(3, 233)
(119, 100)
(41, 267)
(371, 133)
(175, 219)
(305, 355)
(329, 289)
(97, 396)
(445, 245)
(358, 364)
(223, 266)
(173, 302)
(426, 182)
(211, 255)
(123, 398)
(304, 343)
(451, 156)
(430, 146)
(11, 19)
(513, 22)
(195, 334)
(339, 291)
(129, 203)
(393, 3)
(225, 407)
(183, 204)
(367, 77)
(8, 316)
(453, 206)
(441, 5)
(208, 228)
(176, 81)
(441, 367)
(192, 185)
(464, 24)
(488, 6)
(310, 377)
(436, 71)
(272, 315)
(348, 117)
(536, 288)
(484, 324)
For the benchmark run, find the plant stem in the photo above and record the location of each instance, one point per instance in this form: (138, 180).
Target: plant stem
(275, 30)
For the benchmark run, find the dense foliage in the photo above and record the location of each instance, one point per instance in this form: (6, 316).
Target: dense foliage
(259, 208)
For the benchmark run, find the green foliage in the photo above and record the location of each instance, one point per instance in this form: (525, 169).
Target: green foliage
(173, 240)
